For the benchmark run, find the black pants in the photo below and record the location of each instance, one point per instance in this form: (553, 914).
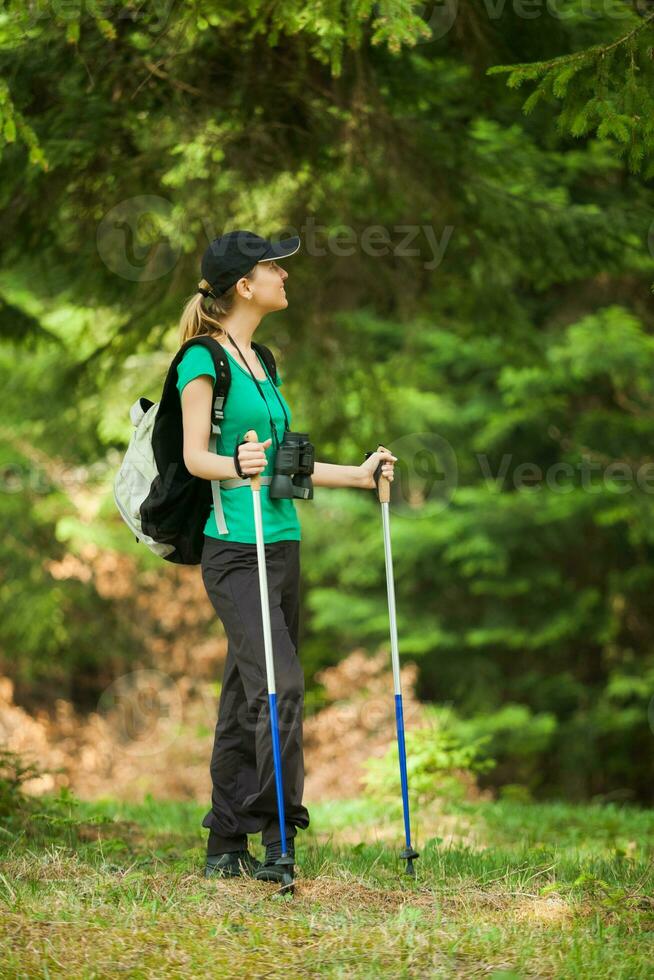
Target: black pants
(243, 799)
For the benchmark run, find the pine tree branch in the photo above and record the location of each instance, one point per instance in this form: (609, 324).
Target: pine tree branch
(588, 54)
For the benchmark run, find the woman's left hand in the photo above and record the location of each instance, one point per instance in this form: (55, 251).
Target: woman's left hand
(368, 467)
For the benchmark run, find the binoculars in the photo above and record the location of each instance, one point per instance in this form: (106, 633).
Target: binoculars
(294, 458)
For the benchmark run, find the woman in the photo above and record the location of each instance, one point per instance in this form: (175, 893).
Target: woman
(242, 282)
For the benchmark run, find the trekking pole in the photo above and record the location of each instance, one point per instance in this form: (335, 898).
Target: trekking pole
(284, 860)
(384, 494)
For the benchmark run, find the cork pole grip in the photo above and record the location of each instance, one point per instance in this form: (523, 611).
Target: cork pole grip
(251, 436)
(384, 488)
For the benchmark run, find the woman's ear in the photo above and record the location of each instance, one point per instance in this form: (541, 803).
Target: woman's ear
(243, 288)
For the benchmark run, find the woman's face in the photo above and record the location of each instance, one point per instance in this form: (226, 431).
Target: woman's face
(268, 286)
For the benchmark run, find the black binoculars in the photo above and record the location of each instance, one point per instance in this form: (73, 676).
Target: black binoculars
(294, 457)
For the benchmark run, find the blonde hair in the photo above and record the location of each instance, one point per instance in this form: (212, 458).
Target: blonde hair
(200, 315)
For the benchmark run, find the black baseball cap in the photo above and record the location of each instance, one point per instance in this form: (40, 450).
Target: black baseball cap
(233, 255)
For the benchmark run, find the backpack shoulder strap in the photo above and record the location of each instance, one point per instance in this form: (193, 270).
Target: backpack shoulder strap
(168, 425)
(170, 397)
(220, 392)
(268, 359)
(223, 377)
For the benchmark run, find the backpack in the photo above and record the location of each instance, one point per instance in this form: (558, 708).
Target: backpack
(164, 505)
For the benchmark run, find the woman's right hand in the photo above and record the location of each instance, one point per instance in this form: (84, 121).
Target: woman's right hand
(252, 458)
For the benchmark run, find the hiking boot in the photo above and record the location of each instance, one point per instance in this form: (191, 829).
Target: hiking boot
(278, 869)
(231, 864)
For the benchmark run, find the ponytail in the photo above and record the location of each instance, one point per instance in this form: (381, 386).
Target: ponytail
(200, 316)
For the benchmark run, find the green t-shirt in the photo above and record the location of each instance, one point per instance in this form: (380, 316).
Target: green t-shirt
(244, 409)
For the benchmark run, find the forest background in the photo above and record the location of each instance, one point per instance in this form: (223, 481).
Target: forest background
(473, 292)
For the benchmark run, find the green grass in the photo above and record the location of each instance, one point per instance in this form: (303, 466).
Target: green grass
(503, 890)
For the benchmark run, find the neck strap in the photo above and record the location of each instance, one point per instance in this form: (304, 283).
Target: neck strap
(272, 426)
